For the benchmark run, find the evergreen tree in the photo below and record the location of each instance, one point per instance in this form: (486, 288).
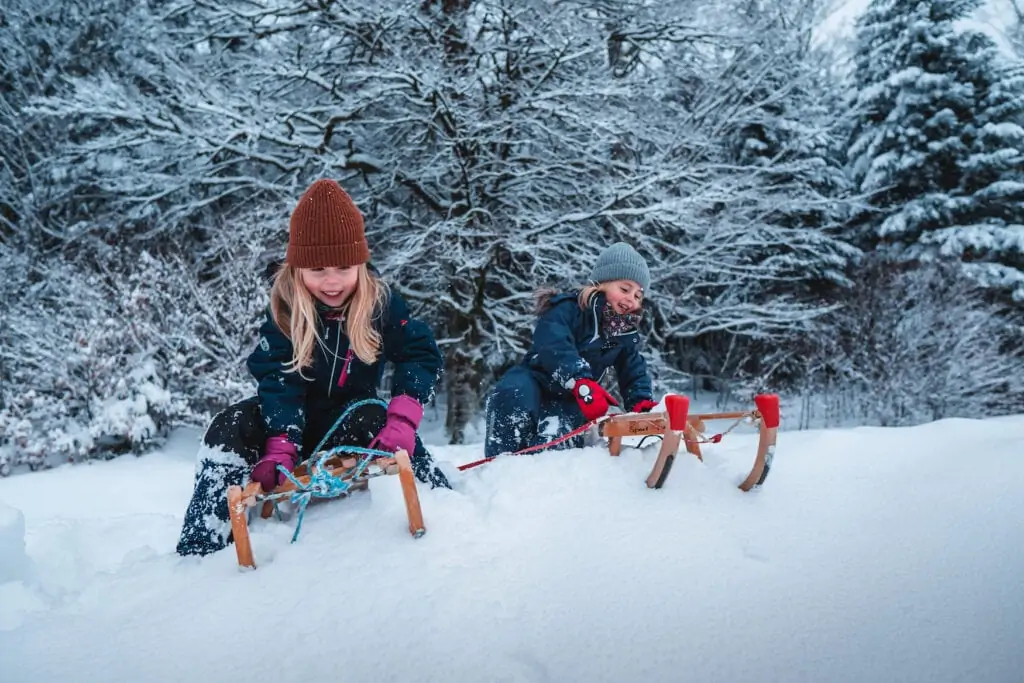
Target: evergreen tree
(936, 140)
(988, 222)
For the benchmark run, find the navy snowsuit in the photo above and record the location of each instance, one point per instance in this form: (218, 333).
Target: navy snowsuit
(533, 402)
(305, 408)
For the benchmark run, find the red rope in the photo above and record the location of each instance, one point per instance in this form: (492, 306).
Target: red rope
(715, 438)
(539, 447)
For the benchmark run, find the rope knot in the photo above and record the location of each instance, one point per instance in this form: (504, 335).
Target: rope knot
(322, 483)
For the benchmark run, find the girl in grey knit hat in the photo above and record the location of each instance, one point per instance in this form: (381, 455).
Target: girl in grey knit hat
(579, 335)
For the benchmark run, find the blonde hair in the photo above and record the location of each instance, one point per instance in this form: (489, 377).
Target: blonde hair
(588, 293)
(293, 309)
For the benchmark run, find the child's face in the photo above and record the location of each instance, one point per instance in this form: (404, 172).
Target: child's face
(332, 286)
(625, 296)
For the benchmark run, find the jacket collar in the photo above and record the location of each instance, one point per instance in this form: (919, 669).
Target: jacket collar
(326, 313)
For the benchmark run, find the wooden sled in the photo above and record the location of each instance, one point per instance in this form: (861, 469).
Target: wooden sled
(676, 425)
(241, 499)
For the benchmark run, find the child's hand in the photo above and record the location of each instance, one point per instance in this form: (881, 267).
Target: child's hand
(593, 399)
(644, 406)
(399, 432)
(278, 451)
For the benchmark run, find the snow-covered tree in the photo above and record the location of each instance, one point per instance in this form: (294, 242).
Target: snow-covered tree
(897, 354)
(1015, 31)
(937, 140)
(757, 211)
(988, 225)
(105, 361)
(46, 198)
(495, 146)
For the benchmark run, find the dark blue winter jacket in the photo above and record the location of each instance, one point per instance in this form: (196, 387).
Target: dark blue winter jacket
(568, 344)
(337, 376)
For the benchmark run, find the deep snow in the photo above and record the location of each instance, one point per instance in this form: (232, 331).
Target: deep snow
(871, 554)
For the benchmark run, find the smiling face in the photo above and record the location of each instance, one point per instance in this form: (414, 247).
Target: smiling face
(332, 286)
(625, 296)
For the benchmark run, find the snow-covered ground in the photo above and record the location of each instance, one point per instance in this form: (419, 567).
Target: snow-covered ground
(871, 555)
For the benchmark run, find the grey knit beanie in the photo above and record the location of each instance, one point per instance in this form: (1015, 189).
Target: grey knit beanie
(621, 262)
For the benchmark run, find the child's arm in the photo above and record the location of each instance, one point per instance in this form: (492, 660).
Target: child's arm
(282, 394)
(631, 369)
(553, 351)
(409, 345)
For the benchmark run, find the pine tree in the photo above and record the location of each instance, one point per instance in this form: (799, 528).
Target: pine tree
(988, 223)
(936, 140)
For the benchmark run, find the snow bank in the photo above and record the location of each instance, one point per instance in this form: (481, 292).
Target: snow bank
(14, 563)
(871, 555)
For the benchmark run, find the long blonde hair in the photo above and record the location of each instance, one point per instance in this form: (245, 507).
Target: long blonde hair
(542, 297)
(588, 293)
(293, 308)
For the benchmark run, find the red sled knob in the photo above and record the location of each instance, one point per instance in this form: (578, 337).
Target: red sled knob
(678, 408)
(768, 406)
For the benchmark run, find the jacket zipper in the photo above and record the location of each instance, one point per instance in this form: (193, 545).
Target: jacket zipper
(345, 367)
(334, 363)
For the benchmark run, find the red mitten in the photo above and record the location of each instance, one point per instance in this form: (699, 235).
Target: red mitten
(644, 406)
(593, 399)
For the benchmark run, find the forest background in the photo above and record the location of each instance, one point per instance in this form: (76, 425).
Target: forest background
(832, 209)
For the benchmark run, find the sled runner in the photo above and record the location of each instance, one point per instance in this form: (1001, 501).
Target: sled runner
(334, 474)
(676, 425)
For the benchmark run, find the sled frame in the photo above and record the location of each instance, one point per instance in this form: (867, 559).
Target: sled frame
(676, 425)
(241, 499)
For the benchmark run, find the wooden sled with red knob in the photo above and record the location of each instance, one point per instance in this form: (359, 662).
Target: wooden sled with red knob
(676, 425)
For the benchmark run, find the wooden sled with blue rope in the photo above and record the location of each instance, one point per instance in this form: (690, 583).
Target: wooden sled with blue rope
(331, 473)
(676, 425)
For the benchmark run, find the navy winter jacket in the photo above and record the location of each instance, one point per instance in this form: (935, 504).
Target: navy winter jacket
(337, 376)
(568, 344)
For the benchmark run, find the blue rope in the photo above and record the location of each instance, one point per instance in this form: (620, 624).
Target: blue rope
(342, 418)
(323, 484)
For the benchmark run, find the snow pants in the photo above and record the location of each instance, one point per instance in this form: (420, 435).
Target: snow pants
(520, 414)
(234, 442)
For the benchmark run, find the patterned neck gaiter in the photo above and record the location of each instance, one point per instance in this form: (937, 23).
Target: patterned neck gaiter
(613, 323)
(333, 314)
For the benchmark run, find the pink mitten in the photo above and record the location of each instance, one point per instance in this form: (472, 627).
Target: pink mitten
(399, 432)
(278, 451)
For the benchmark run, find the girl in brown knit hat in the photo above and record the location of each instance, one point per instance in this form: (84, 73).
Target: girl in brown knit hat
(331, 326)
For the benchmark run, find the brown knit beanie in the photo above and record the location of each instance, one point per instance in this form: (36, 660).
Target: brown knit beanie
(326, 229)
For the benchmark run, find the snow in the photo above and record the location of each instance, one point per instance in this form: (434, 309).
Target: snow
(871, 554)
(15, 565)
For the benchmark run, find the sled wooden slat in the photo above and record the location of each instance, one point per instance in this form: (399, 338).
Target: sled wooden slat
(240, 527)
(634, 424)
(693, 431)
(663, 463)
(736, 415)
(412, 497)
(765, 448)
(241, 499)
(645, 424)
